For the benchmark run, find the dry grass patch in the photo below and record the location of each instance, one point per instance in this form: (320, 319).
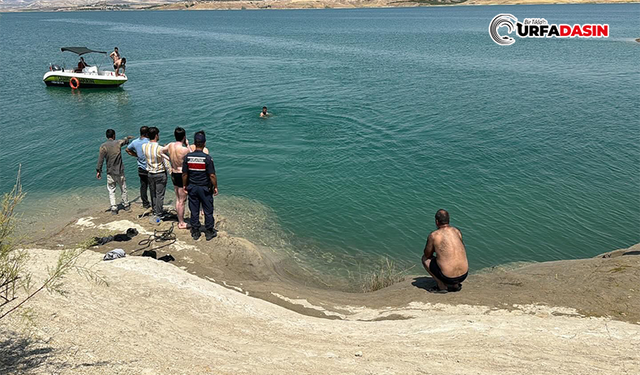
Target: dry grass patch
(385, 274)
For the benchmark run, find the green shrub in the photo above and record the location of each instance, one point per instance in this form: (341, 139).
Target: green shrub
(13, 274)
(12, 260)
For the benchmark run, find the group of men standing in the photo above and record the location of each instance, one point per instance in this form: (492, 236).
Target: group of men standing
(191, 169)
(193, 175)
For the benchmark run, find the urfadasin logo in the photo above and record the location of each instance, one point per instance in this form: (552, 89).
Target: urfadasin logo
(507, 20)
(540, 28)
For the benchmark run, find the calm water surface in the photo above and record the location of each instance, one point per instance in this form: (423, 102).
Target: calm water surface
(381, 116)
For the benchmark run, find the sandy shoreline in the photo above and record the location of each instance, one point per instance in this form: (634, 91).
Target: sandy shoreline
(260, 271)
(154, 318)
(228, 307)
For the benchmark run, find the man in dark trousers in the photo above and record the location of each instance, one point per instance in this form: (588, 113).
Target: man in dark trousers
(135, 149)
(200, 182)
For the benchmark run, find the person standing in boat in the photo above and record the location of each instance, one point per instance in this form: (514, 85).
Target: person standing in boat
(118, 61)
(115, 56)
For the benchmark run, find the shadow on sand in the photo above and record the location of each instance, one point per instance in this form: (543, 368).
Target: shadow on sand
(23, 354)
(424, 282)
(20, 354)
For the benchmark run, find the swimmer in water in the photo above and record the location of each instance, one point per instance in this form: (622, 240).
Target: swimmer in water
(264, 112)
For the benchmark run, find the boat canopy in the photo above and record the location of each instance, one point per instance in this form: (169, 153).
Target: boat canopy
(80, 50)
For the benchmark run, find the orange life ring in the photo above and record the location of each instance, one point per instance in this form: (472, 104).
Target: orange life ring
(72, 81)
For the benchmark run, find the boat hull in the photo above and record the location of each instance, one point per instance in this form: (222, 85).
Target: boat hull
(62, 79)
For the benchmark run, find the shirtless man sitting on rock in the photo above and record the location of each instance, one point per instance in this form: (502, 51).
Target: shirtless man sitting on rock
(445, 257)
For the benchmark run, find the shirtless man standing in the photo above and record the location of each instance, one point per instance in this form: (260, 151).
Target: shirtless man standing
(177, 151)
(450, 267)
(118, 62)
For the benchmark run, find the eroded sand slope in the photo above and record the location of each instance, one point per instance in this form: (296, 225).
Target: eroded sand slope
(155, 318)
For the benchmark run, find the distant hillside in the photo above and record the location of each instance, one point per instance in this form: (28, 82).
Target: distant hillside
(70, 5)
(78, 4)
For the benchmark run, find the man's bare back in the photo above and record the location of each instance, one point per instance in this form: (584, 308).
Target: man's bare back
(177, 151)
(445, 257)
(450, 251)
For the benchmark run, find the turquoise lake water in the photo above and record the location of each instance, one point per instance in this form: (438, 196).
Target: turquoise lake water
(381, 117)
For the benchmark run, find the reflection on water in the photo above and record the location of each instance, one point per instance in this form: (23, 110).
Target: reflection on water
(43, 214)
(90, 96)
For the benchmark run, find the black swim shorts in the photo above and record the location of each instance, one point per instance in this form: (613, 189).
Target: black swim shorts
(176, 178)
(435, 269)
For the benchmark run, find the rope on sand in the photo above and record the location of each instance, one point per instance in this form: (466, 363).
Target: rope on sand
(158, 236)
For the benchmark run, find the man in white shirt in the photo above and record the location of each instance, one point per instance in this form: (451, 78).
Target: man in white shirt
(157, 170)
